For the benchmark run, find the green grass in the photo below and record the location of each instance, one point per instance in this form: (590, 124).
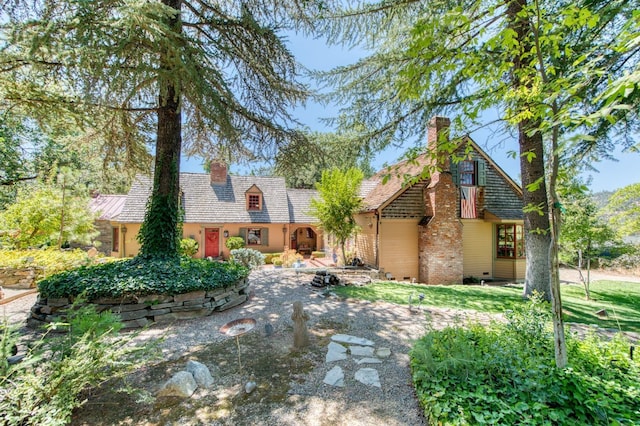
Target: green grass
(620, 299)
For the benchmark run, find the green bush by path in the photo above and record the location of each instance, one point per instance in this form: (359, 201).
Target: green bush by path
(141, 276)
(505, 374)
(46, 386)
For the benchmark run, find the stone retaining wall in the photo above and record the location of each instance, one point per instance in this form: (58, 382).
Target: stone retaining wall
(143, 310)
(20, 277)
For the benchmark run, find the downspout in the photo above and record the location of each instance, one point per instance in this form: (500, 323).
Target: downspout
(377, 239)
(123, 235)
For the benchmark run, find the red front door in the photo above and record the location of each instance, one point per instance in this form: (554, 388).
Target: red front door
(211, 242)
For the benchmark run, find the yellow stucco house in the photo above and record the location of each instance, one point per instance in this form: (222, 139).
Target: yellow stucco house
(463, 221)
(217, 206)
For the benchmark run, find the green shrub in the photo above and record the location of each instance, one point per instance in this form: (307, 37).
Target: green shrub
(44, 388)
(188, 247)
(249, 258)
(277, 261)
(506, 374)
(52, 261)
(234, 243)
(140, 276)
(318, 254)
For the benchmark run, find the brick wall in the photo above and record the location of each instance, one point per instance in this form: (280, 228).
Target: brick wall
(440, 240)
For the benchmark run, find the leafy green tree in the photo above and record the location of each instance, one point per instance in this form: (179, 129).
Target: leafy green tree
(582, 230)
(47, 214)
(624, 208)
(135, 72)
(337, 204)
(302, 162)
(468, 57)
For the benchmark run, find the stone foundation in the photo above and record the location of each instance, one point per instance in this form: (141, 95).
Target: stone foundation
(139, 311)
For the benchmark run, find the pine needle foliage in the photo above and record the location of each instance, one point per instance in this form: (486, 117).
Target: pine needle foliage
(137, 70)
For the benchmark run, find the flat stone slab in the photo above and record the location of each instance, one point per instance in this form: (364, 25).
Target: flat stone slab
(361, 351)
(351, 340)
(334, 377)
(383, 352)
(335, 352)
(368, 376)
(368, 361)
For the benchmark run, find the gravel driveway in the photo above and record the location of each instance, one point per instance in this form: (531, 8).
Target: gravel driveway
(309, 401)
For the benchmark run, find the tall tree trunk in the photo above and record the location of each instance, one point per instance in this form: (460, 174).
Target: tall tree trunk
(536, 221)
(159, 231)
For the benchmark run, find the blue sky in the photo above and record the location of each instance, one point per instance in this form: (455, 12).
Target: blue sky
(315, 54)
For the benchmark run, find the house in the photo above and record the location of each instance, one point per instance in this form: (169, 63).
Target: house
(107, 208)
(262, 210)
(464, 220)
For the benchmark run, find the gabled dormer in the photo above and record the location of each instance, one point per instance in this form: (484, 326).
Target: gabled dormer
(254, 198)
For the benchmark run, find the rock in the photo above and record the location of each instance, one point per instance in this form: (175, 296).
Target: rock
(345, 338)
(366, 351)
(335, 352)
(182, 384)
(334, 377)
(368, 361)
(383, 352)
(201, 374)
(268, 329)
(250, 387)
(368, 376)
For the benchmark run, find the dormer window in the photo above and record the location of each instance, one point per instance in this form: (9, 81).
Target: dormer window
(254, 199)
(467, 170)
(254, 202)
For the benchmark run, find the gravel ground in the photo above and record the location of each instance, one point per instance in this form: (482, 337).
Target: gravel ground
(309, 400)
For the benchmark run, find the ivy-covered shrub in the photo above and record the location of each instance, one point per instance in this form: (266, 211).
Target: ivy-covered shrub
(249, 258)
(52, 261)
(140, 276)
(506, 374)
(188, 247)
(234, 243)
(44, 388)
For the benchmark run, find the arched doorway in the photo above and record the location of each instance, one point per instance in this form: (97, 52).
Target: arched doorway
(304, 240)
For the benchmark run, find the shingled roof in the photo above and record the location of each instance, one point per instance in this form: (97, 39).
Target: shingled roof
(204, 202)
(108, 207)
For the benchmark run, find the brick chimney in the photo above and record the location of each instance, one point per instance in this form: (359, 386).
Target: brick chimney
(218, 172)
(437, 135)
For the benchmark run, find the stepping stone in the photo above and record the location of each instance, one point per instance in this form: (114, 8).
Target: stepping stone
(368, 361)
(361, 351)
(383, 352)
(335, 352)
(334, 377)
(368, 376)
(353, 340)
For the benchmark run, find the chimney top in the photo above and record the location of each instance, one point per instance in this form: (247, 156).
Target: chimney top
(218, 172)
(437, 126)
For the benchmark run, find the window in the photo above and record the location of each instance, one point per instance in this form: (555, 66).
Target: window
(254, 237)
(115, 239)
(253, 202)
(467, 170)
(510, 241)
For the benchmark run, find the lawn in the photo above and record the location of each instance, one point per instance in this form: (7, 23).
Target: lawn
(620, 299)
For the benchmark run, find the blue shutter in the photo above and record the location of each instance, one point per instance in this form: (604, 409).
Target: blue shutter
(454, 171)
(243, 234)
(481, 168)
(264, 236)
